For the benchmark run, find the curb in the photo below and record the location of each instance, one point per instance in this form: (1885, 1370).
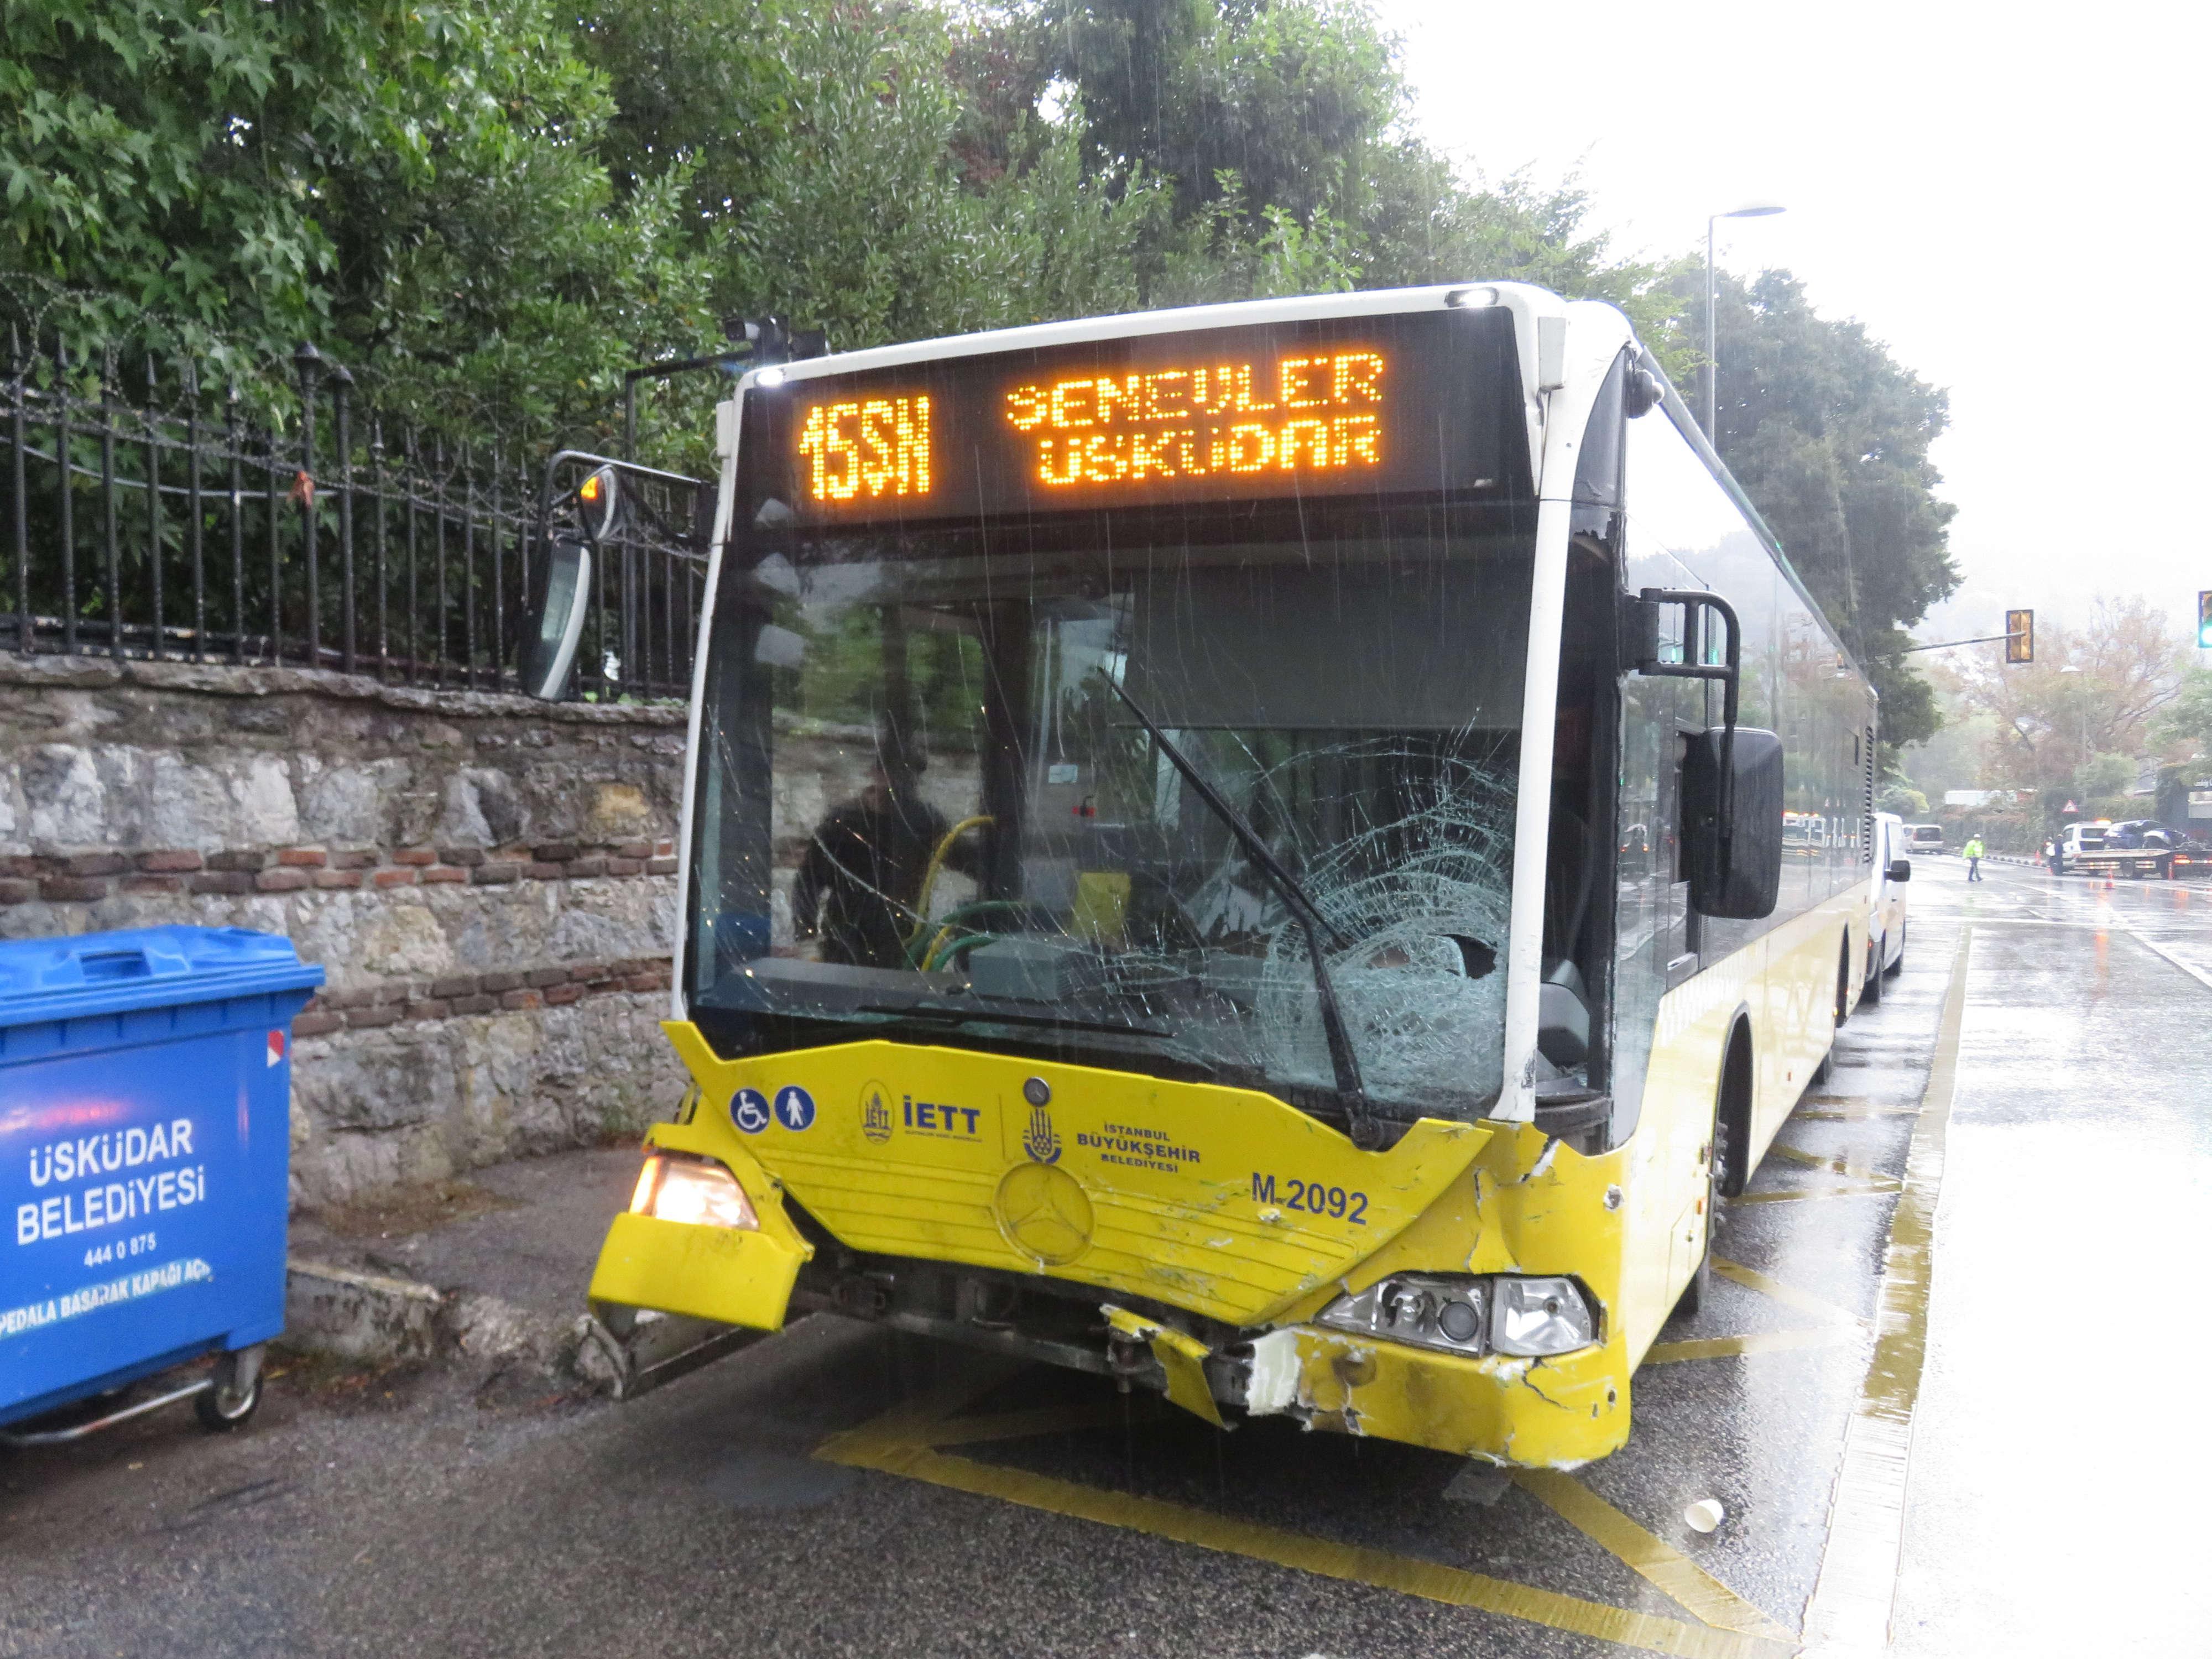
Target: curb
(377, 1319)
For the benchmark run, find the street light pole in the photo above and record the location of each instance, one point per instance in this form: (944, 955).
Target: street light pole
(1748, 210)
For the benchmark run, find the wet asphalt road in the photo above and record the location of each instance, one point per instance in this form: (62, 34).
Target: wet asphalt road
(2051, 1506)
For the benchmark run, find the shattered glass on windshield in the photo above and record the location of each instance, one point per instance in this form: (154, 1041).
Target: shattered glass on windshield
(931, 808)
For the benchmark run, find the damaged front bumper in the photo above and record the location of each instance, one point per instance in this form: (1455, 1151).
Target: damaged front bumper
(1536, 1414)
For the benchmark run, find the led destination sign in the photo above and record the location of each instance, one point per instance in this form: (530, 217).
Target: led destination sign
(1315, 412)
(1425, 401)
(867, 448)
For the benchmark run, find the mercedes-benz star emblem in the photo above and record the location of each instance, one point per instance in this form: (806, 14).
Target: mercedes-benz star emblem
(1044, 1212)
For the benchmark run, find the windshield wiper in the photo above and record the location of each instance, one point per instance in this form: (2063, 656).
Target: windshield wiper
(1366, 1133)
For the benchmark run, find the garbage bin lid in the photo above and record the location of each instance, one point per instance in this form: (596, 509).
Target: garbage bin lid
(84, 974)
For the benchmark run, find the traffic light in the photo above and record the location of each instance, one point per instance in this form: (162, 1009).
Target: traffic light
(2204, 619)
(2019, 632)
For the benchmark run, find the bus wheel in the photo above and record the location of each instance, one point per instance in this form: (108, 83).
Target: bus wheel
(1701, 1278)
(1731, 1105)
(1870, 993)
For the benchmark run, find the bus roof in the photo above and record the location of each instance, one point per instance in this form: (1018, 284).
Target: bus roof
(1368, 302)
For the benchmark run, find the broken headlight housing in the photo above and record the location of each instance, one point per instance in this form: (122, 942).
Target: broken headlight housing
(694, 1190)
(1464, 1314)
(1539, 1318)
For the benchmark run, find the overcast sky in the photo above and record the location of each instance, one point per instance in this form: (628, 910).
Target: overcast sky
(2011, 197)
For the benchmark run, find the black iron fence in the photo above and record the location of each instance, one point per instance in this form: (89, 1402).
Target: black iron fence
(145, 516)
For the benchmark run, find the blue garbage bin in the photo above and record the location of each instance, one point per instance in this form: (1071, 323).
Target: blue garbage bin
(145, 1128)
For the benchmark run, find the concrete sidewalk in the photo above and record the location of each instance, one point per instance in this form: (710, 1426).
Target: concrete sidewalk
(490, 1269)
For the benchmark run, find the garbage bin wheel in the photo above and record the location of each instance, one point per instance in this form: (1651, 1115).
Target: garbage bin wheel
(235, 1398)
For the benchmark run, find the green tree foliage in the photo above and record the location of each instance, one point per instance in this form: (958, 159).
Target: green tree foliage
(2186, 724)
(1829, 436)
(865, 220)
(413, 186)
(1290, 102)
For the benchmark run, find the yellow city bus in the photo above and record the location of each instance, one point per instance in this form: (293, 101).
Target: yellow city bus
(1242, 849)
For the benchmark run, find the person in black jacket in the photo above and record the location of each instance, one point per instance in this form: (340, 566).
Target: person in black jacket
(860, 879)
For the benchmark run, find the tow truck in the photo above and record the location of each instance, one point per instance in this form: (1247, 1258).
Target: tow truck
(2134, 847)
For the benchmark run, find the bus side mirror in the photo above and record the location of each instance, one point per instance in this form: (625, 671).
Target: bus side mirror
(1900, 869)
(1736, 861)
(553, 624)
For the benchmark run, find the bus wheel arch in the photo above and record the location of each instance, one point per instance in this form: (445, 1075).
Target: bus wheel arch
(1731, 1143)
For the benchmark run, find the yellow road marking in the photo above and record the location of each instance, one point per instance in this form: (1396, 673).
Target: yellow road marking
(1651, 1557)
(1353, 1563)
(1832, 1165)
(1789, 1295)
(1724, 1347)
(1857, 1588)
(903, 1442)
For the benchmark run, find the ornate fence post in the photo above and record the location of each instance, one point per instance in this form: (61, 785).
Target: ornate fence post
(232, 442)
(68, 502)
(342, 396)
(111, 549)
(376, 493)
(309, 361)
(149, 422)
(194, 509)
(18, 396)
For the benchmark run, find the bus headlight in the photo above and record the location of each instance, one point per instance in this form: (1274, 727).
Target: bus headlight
(1529, 1318)
(1430, 1310)
(696, 1190)
(1538, 1317)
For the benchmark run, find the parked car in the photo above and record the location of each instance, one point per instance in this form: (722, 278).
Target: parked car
(1923, 838)
(1886, 922)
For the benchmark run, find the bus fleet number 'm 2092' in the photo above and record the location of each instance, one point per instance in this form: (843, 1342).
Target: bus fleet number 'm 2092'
(1312, 1197)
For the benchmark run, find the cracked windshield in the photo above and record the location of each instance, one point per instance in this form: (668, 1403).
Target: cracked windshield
(1110, 807)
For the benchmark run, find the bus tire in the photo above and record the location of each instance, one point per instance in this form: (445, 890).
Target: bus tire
(1691, 1301)
(1870, 993)
(1693, 1298)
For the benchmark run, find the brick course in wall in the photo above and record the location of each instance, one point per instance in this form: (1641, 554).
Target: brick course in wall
(368, 1006)
(88, 878)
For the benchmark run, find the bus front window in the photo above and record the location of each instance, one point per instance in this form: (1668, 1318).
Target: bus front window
(932, 807)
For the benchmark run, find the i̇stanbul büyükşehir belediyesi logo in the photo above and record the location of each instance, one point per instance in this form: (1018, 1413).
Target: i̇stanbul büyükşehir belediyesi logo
(1041, 1140)
(875, 1113)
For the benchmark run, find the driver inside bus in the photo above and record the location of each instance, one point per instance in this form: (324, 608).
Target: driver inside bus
(859, 882)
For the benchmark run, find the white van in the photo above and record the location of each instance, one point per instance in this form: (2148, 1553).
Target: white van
(1892, 869)
(1923, 838)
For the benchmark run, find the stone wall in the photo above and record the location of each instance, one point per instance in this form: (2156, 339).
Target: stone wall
(487, 881)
